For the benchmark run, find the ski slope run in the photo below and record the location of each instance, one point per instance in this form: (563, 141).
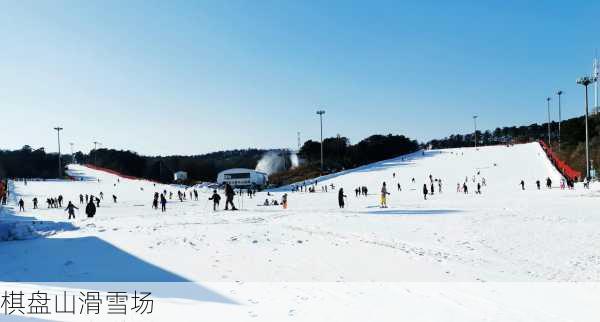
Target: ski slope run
(504, 234)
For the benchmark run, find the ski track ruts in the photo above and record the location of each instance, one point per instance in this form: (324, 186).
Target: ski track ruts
(436, 255)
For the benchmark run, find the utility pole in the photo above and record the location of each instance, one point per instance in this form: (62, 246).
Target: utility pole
(586, 81)
(58, 129)
(548, 100)
(321, 112)
(596, 76)
(475, 131)
(559, 93)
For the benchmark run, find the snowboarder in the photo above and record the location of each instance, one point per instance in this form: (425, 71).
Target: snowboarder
(425, 192)
(216, 199)
(71, 209)
(341, 197)
(90, 209)
(229, 193)
(21, 205)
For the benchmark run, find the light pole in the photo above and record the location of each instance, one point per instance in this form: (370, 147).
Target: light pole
(586, 81)
(548, 101)
(321, 112)
(475, 132)
(559, 93)
(58, 129)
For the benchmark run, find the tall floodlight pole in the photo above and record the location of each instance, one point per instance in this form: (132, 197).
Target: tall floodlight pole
(475, 130)
(548, 100)
(321, 112)
(58, 129)
(559, 93)
(586, 81)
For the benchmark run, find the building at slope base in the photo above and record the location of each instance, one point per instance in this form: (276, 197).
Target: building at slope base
(243, 178)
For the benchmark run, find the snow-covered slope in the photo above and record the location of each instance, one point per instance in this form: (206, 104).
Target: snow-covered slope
(503, 235)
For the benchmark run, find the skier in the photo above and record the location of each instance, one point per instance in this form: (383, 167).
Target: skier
(71, 209)
(522, 185)
(80, 199)
(384, 194)
(163, 203)
(195, 194)
(229, 193)
(399, 187)
(35, 201)
(425, 191)
(432, 188)
(537, 183)
(114, 199)
(60, 200)
(101, 195)
(465, 188)
(440, 185)
(478, 188)
(215, 198)
(21, 205)
(341, 197)
(90, 209)
(97, 202)
(548, 183)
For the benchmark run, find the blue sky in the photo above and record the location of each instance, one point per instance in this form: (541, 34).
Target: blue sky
(188, 77)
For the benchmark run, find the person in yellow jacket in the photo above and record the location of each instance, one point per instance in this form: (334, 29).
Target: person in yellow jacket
(384, 194)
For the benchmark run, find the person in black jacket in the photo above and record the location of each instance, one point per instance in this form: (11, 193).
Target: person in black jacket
(229, 193)
(215, 198)
(341, 197)
(71, 209)
(163, 203)
(90, 209)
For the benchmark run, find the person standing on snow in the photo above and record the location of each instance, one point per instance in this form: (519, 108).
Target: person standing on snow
(90, 209)
(425, 192)
(114, 199)
(384, 194)
(80, 199)
(35, 200)
(229, 193)
(163, 203)
(71, 209)
(21, 205)
(284, 200)
(522, 185)
(537, 183)
(216, 199)
(341, 197)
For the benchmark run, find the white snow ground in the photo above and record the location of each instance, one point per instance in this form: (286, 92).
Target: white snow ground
(454, 257)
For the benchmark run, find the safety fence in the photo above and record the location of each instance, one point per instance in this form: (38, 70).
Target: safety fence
(91, 166)
(560, 165)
